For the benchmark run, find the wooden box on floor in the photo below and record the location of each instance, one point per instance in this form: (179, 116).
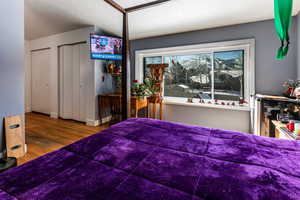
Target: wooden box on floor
(15, 138)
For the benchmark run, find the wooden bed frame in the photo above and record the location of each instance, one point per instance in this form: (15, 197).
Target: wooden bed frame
(126, 52)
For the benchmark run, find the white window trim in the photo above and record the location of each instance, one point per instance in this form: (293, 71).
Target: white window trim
(182, 102)
(248, 45)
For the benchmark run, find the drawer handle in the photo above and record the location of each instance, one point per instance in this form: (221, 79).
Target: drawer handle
(16, 147)
(14, 126)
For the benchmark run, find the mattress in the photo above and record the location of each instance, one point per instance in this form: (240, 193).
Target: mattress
(158, 160)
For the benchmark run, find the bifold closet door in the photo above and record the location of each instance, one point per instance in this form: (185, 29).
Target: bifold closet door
(66, 82)
(74, 61)
(76, 82)
(40, 79)
(84, 80)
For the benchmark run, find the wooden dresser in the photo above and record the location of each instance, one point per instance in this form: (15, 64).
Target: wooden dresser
(267, 128)
(266, 110)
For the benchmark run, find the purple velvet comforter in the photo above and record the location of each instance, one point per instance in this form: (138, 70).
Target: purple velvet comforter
(157, 160)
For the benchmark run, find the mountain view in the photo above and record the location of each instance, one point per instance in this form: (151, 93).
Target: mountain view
(192, 76)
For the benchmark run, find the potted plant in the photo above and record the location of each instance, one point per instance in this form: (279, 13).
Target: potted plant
(152, 86)
(153, 89)
(138, 90)
(149, 88)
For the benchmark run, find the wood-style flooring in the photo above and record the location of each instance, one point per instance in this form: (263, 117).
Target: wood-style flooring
(45, 134)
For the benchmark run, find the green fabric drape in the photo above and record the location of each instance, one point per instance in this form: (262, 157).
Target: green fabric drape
(283, 19)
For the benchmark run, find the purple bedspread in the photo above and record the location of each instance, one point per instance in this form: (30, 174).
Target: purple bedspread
(156, 160)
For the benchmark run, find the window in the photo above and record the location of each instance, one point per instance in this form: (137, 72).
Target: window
(219, 71)
(229, 75)
(151, 60)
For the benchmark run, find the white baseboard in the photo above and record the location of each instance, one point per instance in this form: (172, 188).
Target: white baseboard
(106, 119)
(90, 122)
(54, 115)
(27, 109)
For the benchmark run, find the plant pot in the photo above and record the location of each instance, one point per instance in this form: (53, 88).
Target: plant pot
(139, 97)
(156, 98)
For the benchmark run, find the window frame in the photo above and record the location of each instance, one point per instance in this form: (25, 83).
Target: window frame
(248, 45)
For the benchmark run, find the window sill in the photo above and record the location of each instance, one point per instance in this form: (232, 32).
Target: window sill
(183, 102)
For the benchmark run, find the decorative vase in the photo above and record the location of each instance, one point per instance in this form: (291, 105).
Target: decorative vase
(289, 92)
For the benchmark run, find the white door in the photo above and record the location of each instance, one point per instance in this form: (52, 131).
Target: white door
(74, 63)
(40, 69)
(84, 80)
(76, 82)
(66, 83)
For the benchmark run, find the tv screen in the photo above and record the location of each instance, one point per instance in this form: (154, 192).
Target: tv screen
(108, 48)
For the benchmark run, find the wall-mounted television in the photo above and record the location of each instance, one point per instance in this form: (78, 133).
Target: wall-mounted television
(107, 48)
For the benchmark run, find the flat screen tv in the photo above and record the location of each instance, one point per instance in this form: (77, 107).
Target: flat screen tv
(107, 48)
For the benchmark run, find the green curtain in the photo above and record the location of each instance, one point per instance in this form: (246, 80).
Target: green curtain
(283, 18)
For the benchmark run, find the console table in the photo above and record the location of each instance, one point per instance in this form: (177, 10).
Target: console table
(110, 104)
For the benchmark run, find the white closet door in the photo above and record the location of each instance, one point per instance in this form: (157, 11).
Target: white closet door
(84, 80)
(74, 63)
(66, 84)
(40, 66)
(76, 82)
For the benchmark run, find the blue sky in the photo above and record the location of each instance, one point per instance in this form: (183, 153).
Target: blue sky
(224, 55)
(228, 55)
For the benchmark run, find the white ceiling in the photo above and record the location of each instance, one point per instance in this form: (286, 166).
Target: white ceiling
(130, 3)
(47, 17)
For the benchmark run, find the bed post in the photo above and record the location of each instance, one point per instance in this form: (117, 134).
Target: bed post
(125, 71)
(126, 78)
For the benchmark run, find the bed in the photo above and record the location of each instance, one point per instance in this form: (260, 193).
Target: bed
(158, 160)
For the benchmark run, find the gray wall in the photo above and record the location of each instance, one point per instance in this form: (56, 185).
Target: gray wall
(298, 44)
(102, 86)
(270, 73)
(11, 59)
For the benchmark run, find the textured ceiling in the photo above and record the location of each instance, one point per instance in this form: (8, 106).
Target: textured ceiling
(46, 17)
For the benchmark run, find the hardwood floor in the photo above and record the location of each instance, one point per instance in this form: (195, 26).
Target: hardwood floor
(45, 134)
